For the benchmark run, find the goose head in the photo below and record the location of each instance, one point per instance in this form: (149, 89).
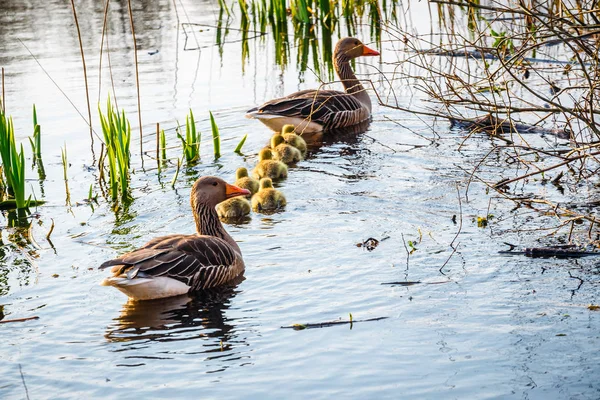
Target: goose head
(209, 191)
(350, 48)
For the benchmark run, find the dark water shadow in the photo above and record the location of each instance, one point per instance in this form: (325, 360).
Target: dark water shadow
(186, 317)
(350, 136)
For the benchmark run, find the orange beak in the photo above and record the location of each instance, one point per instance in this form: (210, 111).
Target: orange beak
(233, 191)
(369, 52)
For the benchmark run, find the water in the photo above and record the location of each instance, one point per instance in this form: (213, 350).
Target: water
(486, 326)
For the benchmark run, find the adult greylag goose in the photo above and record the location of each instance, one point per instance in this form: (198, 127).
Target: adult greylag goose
(321, 110)
(268, 198)
(284, 152)
(244, 181)
(177, 264)
(292, 138)
(269, 168)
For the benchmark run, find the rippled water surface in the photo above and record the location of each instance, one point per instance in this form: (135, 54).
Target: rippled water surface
(485, 326)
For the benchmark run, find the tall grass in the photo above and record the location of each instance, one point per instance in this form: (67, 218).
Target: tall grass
(117, 136)
(191, 142)
(13, 163)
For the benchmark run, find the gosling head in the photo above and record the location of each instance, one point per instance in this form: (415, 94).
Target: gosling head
(241, 172)
(266, 183)
(265, 154)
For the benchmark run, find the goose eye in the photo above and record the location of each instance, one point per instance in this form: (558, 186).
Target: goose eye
(215, 184)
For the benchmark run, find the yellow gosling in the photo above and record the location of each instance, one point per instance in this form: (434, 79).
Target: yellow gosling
(246, 182)
(283, 151)
(269, 168)
(268, 198)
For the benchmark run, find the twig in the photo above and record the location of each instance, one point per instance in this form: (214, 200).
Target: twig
(23, 380)
(448, 259)
(570, 160)
(137, 81)
(87, 92)
(405, 248)
(461, 218)
(6, 321)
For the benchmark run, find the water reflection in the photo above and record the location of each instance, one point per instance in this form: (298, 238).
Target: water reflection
(201, 315)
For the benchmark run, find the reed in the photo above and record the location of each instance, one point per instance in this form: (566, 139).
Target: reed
(216, 136)
(13, 163)
(238, 149)
(65, 164)
(117, 137)
(191, 142)
(36, 141)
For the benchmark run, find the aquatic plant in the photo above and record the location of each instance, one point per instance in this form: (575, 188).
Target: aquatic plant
(191, 142)
(36, 141)
(238, 148)
(13, 163)
(65, 164)
(216, 136)
(117, 136)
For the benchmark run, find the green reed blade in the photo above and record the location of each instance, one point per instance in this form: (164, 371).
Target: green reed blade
(163, 145)
(216, 136)
(238, 149)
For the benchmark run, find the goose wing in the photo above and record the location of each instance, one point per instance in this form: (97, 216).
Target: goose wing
(330, 108)
(198, 261)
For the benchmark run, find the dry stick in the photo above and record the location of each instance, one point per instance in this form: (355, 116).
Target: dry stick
(6, 321)
(137, 80)
(102, 48)
(87, 92)
(502, 183)
(23, 380)
(405, 248)
(460, 215)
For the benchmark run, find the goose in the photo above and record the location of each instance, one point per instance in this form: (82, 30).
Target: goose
(234, 208)
(322, 110)
(292, 138)
(269, 168)
(178, 264)
(284, 152)
(268, 198)
(244, 181)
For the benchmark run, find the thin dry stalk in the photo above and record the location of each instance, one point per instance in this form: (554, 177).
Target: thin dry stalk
(137, 80)
(87, 92)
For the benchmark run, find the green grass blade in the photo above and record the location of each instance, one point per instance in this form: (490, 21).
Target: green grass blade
(216, 136)
(238, 149)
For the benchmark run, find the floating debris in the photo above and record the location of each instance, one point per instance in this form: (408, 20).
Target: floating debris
(567, 251)
(370, 244)
(299, 327)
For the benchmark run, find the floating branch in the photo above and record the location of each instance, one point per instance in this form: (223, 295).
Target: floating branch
(6, 321)
(299, 327)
